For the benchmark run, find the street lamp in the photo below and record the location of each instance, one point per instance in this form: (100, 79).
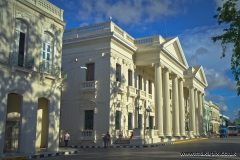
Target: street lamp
(138, 108)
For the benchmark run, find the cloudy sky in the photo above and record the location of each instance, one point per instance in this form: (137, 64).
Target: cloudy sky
(190, 20)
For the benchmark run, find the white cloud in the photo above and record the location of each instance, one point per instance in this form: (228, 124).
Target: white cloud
(213, 97)
(218, 79)
(130, 12)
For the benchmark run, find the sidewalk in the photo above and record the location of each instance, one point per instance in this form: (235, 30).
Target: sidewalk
(40, 153)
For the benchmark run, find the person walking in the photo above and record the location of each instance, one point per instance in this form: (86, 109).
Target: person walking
(105, 140)
(109, 139)
(66, 139)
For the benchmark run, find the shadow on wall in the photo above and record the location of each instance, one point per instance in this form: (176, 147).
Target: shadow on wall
(15, 82)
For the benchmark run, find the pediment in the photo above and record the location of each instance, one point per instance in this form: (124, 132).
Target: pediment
(173, 47)
(200, 75)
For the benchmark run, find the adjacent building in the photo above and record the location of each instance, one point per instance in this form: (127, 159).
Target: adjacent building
(30, 63)
(207, 118)
(214, 116)
(142, 85)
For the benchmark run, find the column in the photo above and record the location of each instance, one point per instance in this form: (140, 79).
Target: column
(200, 111)
(175, 102)
(192, 110)
(158, 99)
(181, 108)
(196, 112)
(166, 103)
(3, 100)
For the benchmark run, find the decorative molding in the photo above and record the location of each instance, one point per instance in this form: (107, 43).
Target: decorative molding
(122, 46)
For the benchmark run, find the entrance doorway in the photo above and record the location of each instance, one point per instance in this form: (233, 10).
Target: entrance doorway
(12, 128)
(42, 123)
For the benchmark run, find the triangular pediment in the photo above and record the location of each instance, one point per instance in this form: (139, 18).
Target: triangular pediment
(173, 47)
(200, 75)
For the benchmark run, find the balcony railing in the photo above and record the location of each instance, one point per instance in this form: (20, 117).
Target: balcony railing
(141, 94)
(16, 59)
(150, 96)
(88, 85)
(131, 91)
(88, 134)
(120, 87)
(48, 68)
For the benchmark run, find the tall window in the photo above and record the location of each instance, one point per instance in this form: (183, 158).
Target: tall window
(150, 122)
(89, 117)
(170, 93)
(129, 121)
(90, 72)
(139, 82)
(150, 87)
(118, 72)
(118, 120)
(20, 41)
(139, 121)
(129, 77)
(47, 50)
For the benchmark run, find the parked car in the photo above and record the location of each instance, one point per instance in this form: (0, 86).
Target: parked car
(232, 130)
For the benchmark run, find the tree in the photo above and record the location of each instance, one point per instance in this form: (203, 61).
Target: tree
(229, 14)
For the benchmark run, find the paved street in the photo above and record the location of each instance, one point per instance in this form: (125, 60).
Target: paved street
(229, 144)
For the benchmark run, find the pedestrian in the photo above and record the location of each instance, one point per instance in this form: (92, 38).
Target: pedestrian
(109, 139)
(131, 135)
(105, 140)
(66, 139)
(120, 135)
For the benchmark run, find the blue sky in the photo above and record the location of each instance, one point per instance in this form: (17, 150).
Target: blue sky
(190, 20)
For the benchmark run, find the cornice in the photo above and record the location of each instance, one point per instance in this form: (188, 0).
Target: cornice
(122, 46)
(42, 12)
(89, 37)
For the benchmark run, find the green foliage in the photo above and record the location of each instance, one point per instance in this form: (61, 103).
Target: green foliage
(229, 14)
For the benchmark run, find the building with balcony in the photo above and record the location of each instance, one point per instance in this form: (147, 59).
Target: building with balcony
(224, 121)
(142, 85)
(214, 117)
(30, 63)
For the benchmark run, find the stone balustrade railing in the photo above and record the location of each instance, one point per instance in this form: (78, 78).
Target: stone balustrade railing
(97, 29)
(149, 96)
(88, 134)
(88, 85)
(48, 7)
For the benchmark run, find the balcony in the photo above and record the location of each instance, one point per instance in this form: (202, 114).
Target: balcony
(119, 87)
(49, 69)
(141, 94)
(150, 97)
(131, 91)
(87, 135)
(19, 60)
(88, 86)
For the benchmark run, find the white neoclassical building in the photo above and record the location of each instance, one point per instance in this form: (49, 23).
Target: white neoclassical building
(30, 63)
(142, 85)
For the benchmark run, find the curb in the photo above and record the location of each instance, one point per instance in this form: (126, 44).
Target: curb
(43, 155)
(137, 146)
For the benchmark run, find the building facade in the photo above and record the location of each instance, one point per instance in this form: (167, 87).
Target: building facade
(207, 118)
(224, 121)
(30, 63)
(214, 116)
(142, 85)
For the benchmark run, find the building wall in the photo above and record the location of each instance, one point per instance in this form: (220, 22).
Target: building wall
(26, 80)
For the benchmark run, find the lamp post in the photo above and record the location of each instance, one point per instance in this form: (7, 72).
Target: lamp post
(138, 108)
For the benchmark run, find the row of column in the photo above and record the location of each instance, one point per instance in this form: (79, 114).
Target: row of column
(178, 124)
(196, 111)
(163, 114)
